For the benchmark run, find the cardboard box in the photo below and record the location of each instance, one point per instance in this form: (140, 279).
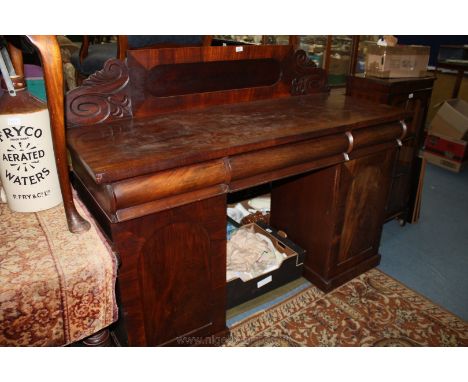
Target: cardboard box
(446, 152)
(397, 61)
(451, 120)
(291, 269)
(453, 149)
(444, 162)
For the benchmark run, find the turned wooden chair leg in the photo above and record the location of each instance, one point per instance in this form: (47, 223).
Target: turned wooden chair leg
(49, 52)
(101, 338)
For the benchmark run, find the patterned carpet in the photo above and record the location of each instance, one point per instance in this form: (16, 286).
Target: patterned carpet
(371, 310)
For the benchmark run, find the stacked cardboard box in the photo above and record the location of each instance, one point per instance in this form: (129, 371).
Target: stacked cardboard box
(447, 141)
(397, 61)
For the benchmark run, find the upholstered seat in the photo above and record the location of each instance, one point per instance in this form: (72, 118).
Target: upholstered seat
(98, 54)
(56, 287)
(136, 41)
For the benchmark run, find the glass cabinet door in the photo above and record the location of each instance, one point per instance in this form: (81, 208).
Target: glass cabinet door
(332, 53)
(364, 42)
(275, 40)
(245, 39)
(315, 47)
(338, 66)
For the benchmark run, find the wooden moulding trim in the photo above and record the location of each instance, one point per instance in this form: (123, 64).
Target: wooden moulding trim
(268, 160)
(373, 136)
(372, 149)
(102, 193)
(169, 202)
(164, 184)
(285, 172)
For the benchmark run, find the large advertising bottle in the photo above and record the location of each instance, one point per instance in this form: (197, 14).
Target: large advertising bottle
(27, 162)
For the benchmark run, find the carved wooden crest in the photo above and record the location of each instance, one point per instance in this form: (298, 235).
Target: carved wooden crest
(104, 96)
(304, 75)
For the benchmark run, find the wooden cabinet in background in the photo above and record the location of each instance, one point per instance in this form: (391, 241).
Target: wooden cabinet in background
(412, 94)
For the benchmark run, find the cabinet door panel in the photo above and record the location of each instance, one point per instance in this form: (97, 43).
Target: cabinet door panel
(173, 273)
(364, 184)
(336, 215)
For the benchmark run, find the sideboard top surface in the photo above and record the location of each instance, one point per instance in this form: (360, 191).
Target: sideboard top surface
(128, 148)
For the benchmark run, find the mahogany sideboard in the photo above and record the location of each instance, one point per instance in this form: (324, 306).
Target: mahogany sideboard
(157, 142)
(412, 94)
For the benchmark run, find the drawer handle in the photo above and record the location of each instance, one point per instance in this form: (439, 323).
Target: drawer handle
(350, 145)
(403, 133)
(404, 128)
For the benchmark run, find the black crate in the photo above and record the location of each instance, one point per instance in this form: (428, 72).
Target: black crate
(291, 269)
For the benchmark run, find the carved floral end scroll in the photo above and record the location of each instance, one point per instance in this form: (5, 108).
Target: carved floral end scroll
(304, 75)
(103, 97)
